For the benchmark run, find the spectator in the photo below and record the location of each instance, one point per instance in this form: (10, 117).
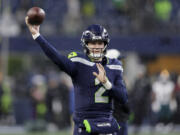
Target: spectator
(8, 24)
(163, 105)
(140, 100)
(22, 105)
(72, 17)
(57, 100)
(38, 92)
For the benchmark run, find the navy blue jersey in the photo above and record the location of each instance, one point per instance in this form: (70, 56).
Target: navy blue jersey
(90, 95)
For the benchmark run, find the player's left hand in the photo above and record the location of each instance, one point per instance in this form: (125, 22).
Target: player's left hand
(102, 73)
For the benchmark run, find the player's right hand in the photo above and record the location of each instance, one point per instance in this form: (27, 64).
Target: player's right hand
(102, 73)
(34, 29)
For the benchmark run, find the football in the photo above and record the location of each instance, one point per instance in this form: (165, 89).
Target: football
(35, 15)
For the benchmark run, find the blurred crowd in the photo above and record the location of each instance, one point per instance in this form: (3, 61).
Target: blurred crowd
(155, 99)
(120, 17)
(37, 99)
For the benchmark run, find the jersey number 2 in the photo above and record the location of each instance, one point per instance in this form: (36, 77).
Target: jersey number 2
(99, 98)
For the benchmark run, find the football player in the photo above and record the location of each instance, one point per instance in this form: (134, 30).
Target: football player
(96, 79)
(121, 111)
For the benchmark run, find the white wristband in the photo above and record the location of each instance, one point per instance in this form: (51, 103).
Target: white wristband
(36, 35)
(107, 85)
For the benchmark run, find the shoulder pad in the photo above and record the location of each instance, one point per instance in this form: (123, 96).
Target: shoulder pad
(114, 61)
(118, 62)
(115, 65)
(72, 54)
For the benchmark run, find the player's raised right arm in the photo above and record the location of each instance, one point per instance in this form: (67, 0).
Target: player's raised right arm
(63, 62)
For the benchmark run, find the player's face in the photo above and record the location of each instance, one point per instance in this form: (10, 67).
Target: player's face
(96, 47)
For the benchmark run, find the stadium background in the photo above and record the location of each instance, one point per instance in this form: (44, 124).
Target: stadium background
(146, 32)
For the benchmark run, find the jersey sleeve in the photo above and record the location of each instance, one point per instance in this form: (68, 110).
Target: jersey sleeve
(118, 90)
(61, 61)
